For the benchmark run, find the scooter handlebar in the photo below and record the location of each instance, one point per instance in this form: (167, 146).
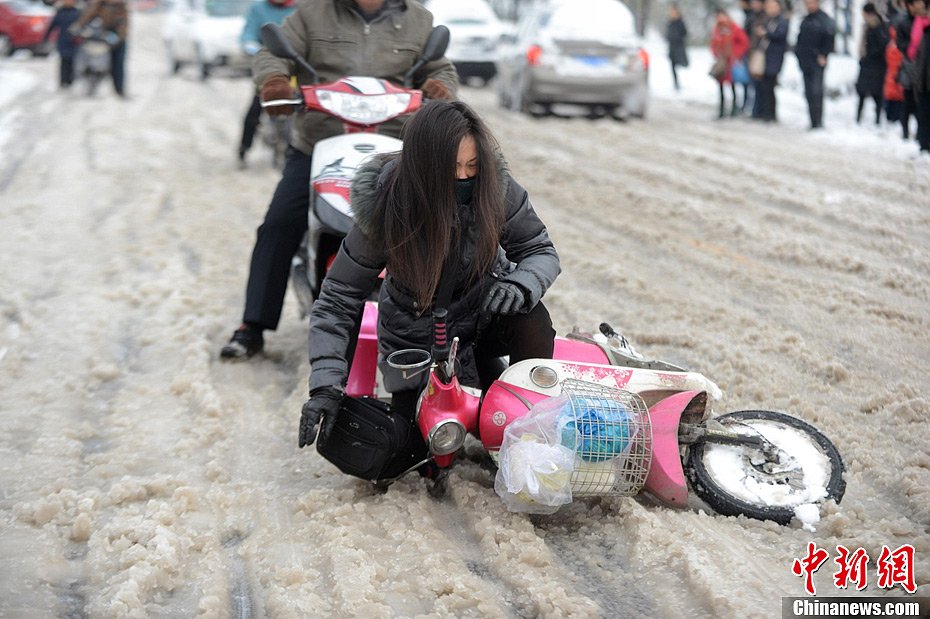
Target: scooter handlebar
(276, 102)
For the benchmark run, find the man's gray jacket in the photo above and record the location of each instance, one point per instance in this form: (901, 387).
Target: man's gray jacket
(338, 42)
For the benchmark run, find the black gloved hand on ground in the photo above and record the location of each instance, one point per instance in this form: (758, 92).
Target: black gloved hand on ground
(504, 298)
(323, 404)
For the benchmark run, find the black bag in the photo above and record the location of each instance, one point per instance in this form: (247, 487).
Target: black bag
(369, 441)
(905, 76)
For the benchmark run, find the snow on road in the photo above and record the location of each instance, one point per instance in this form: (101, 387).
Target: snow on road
(142, 477)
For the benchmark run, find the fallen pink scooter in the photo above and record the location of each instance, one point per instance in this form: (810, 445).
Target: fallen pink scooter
(761, 464)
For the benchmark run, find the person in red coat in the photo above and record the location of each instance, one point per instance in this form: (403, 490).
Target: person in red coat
(893, 91)
(728, 43)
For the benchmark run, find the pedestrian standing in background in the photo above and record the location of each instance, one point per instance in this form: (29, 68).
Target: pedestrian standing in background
(872, 64)
(774, 40)
(747, 6)
(922, 79)
(728, 44)
(66, 15)
(893, 91)
(903, 28)
(677, 35)
(261, 13)
(814, 44)
(753, 24)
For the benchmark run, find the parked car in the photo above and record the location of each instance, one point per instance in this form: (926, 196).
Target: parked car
(205, 33)
(475, 32)
(575, 53)
(22, 25)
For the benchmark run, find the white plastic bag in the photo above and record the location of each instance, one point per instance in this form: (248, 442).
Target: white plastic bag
(534, 469)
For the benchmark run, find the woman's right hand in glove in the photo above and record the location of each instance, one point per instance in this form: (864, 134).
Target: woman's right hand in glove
(323, 404)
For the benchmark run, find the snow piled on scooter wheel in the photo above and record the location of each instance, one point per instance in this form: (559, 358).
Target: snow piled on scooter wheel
(589, 441)
(729, 466)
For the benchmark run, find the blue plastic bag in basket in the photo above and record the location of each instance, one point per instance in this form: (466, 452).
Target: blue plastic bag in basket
(596, 430)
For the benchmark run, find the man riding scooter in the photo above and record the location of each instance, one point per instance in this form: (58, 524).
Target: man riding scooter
(377, 38)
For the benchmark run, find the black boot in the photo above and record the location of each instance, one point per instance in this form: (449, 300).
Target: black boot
(246, 341)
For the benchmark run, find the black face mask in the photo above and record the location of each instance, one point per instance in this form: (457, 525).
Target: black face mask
(464, 187)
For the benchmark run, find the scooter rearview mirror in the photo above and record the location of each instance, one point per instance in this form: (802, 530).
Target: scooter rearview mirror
(436, 45)
(278, 44)
(274, 39)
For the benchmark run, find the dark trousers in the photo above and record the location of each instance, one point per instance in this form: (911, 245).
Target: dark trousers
(733, 106)
(66, 71)
(118, 66)
(675, 76)
(923, 120)
(766, 96)
(813, 91)
(523, 336)
(878, 107)
(756, 97)
(277, 240)
(748, 93)
(250, 126)
(909, 109)
(893, 110)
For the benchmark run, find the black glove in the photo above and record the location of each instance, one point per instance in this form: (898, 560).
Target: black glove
(323, 403)
(504, 298)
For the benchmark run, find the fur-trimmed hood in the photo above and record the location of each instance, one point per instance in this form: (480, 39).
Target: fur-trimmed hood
(370, 178)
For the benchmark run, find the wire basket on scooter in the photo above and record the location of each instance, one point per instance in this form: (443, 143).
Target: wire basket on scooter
(610, 432)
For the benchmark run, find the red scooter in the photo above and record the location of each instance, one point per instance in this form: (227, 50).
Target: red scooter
(626, 424)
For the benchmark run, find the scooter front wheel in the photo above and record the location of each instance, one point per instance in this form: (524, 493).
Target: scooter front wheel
(797, 466)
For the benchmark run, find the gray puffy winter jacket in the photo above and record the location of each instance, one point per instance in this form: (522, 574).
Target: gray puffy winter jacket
(526, 257)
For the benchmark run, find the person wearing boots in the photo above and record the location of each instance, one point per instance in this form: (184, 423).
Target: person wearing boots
(872, 64)
(261, 13)
(728, 44)
(377, 38)
(774, 40)
(66, 15)
(677, 35)
(813, 46)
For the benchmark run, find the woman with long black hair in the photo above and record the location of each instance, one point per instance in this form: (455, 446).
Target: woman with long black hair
(445, 209)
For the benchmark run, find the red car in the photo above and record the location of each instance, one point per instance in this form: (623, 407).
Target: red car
(22, 25)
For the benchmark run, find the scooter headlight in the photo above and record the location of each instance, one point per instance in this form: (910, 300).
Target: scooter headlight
(446, 437)
(363, 109)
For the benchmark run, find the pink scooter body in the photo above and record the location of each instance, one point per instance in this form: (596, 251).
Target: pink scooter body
(509, 398)
(666, 480)
(447, 402)
(363, 375)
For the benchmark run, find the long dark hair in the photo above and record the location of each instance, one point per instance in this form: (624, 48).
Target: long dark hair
(418, 207)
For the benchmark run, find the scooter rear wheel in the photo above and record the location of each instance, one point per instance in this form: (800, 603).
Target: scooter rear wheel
(805, 467)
